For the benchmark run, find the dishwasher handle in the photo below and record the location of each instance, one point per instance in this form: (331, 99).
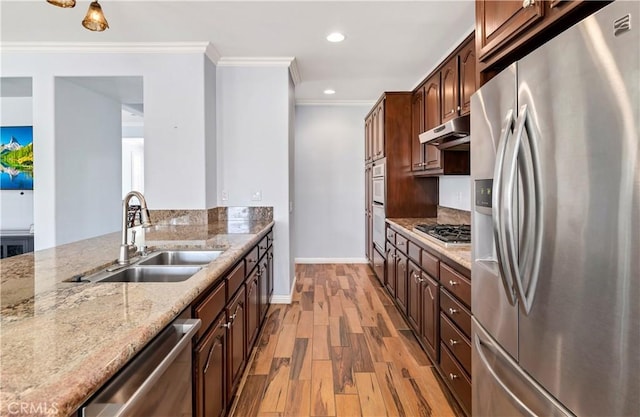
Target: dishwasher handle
(188, 328)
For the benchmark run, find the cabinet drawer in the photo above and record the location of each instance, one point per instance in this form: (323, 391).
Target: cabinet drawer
(391, 236)
(456, 312)
(456, 284)
(414, 252)
(263, 246)
(235, 279)
(251, 260)
(401, 243)
(456, 378)
(457, 343)
(210, 307)
(430, 264)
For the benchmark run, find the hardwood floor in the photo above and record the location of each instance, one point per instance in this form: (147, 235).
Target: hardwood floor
(339, 349)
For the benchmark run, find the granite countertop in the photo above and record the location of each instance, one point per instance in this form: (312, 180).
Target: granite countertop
(62, 341)
(459, 254)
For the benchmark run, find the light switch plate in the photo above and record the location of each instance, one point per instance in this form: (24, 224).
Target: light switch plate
(256, 196)
(225, 195)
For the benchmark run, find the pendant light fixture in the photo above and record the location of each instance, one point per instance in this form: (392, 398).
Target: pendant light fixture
(95, 20)
(63, 3)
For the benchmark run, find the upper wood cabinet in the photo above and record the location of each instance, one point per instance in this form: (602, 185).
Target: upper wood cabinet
(417, 127)
(368, 140)
(450, 90)
(507, 30)
(497, 22)
(376, 121)
(467, 58)
(432, 118)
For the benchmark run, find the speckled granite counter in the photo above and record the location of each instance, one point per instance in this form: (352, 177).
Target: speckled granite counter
(61, 341)
(460, 255)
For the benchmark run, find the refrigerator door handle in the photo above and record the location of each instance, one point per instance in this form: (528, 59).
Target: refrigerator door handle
(482, 345)
(525, 156)
(497, 212)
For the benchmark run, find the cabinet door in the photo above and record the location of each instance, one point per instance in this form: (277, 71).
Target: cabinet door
(368, 140)
(263, 279)
(270, 275)
(432, 119)
(449, 88)
(236, 341)
(390, 279)
(401, 281)
(210, 359)
(500, 21)
(379, 129)
(417, 127)
(413, 298)
(253, 309)
(429, 320)
(467, 76)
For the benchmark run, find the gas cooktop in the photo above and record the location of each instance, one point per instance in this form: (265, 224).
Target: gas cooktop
(446, 234)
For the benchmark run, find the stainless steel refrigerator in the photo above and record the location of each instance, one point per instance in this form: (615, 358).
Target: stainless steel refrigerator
(556, 226)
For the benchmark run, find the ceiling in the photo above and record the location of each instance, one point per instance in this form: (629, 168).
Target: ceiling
(389, 46)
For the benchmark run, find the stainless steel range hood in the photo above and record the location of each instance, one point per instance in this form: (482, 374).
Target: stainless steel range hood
(452, 135)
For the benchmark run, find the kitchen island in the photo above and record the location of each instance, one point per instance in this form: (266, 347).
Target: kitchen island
(61, 341)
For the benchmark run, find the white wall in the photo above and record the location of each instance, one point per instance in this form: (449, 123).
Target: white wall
(211, 185)
(329, 192)
(253, 150)
(88, 132)
(173, 124)
(455, 192)
(16, 207)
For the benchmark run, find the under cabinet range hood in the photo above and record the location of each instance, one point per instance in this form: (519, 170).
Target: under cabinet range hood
(452, 135)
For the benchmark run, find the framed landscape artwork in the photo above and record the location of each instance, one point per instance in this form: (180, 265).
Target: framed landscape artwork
(16, 158)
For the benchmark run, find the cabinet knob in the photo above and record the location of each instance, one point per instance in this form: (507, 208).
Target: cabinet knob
(226, 325)
(452, 310)
(528, 3)
(452, 376)
(453, 283)
(421, 164)
(453, 342)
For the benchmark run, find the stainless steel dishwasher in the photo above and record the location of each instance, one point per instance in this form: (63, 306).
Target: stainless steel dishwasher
(156, 383)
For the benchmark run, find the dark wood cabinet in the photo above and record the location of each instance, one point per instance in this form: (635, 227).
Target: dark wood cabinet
(263, 284)
(498, 22)
(414, 294)
(252, 308)
(450, 89)
(236, 342)
(417, 127)
(429, 309)
(508, 30)
(210, 364)
(368, 140)
(432, 118)
(467, 60)
(269, 275)
(390, 276)
(401, 281)
(377, 129)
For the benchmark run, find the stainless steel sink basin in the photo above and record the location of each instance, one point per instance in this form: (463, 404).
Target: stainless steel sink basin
(181, 257)
(151, 274)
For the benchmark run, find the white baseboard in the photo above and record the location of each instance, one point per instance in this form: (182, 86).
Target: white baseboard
(331, 260)
(284, 298)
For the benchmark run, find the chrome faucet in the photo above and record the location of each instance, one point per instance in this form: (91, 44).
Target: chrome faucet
(123, 258)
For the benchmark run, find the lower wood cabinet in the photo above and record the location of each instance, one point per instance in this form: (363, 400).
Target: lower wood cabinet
(401, 281)
(253, 308)
(236, 344)
(390, 276)
(210, 363)
(429, 324)
(239, 304)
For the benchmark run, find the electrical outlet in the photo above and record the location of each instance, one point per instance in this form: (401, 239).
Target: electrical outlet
(225, 195)
(256, 196)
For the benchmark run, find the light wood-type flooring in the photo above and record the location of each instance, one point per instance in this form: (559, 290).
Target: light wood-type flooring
(339, 349)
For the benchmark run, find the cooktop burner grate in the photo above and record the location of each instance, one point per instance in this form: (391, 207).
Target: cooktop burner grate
(447, 233)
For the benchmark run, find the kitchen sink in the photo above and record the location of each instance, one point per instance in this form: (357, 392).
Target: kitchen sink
(181, 257)
(150, 274)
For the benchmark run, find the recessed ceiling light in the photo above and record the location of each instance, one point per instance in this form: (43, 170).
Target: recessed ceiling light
(329, 91)
(335, 37)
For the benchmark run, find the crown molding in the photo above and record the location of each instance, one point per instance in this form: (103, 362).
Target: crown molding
(212, 53)
(109, 47)
(286, 61)
(304, 102)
